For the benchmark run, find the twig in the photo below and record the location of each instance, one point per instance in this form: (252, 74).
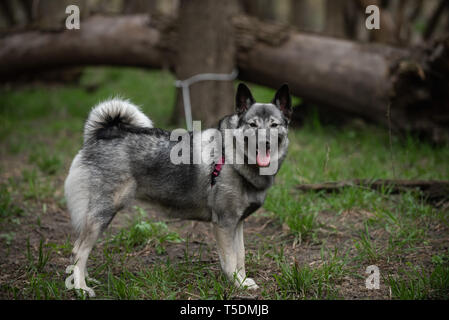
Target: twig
(434, 189)
(390, 138)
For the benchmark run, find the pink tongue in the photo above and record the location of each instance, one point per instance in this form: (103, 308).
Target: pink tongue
(263, 160)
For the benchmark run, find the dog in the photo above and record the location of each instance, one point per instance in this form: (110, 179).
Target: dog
(124, 157)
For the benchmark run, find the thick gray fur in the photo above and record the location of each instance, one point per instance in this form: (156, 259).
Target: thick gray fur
(123, 157)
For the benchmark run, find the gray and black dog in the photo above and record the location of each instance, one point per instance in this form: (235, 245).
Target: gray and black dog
(124, 157)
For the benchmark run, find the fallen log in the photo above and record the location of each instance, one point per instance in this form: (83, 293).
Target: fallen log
(407, 88)
(102, 40)
(433, 189)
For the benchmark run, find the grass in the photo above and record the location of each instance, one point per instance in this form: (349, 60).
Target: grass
(48, 164)
(307, 246)
(367, 249)
(37, 265)
(36, 186)
(416, 284)
(142, 232)
(7, 206)
(307, 282)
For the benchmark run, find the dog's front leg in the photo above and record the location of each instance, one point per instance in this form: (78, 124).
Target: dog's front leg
(230, 251)
(239, 246)
(227, 253)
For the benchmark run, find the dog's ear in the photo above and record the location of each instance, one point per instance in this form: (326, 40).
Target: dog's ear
(283, 101)
(243, 99)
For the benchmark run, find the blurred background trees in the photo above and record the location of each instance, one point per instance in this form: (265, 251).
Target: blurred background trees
(403, 21)
(321, 47)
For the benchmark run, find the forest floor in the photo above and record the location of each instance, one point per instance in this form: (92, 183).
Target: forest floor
(300, 245)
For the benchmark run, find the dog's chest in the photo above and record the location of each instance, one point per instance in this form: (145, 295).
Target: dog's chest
(253, 206)
(254, 200)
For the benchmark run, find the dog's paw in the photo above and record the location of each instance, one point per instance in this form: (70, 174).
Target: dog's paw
(92, 280)
(250, 284)
(89, 291)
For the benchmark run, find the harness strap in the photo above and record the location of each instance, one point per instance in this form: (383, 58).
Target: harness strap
(217, 168)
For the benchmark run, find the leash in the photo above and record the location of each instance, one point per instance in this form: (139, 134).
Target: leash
(185, 84)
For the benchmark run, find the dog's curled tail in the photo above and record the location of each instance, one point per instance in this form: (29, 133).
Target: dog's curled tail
(109, 118)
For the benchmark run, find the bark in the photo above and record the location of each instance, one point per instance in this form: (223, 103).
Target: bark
(16, 14)
(206, 45)
(8, 12)
(387, 32)
(262, 9)
(365, 80)
(302, 15)
(335, 18)
(140, 6)
(51, 15)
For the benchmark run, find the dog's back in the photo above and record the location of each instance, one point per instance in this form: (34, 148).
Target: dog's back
(125, 157)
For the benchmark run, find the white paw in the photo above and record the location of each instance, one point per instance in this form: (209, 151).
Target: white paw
(92, 280)
(250, 284)
(89, 291)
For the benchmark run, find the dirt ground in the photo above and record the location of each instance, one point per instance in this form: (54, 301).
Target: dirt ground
(260, 230)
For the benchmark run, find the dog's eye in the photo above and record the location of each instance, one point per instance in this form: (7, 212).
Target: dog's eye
(253, 125)
(274, 125)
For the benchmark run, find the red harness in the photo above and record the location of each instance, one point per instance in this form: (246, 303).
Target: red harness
(216, 172)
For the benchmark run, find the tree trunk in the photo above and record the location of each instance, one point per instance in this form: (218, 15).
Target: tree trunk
(387, 32)
(335, 18)
(306, 15)
(365, 80)
(16, 14)
(7, 13)
(434, 18)
(140, 6)
(51, 15)
(206, 45)
(261, 9)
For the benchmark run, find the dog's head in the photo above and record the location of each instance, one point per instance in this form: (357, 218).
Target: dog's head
(266, 120)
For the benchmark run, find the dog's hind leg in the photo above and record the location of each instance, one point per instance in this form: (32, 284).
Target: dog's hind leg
(81, 250)
(78, 198)
(96, 223)
(90, 231)
(91, 210)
